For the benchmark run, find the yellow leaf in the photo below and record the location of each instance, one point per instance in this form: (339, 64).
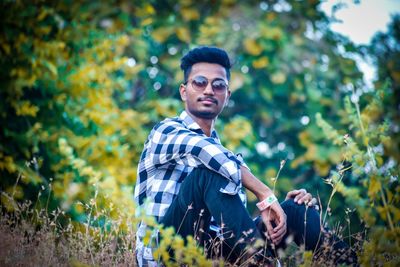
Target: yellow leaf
(146, 22)
(297, 162)
(150, 9)
(236, 81)
(396, 212)
(237, 130)
(273, 33)
(308, 257)
(144, 11)
(52, 68)
(6, 47)
(252, 47)
(271, 16)
(190, 14)
(270, 172)
(7, 163)
(161, 34)
(374, 187)
(183, 34)
(379, 160)
(296, 98)
(382, 212)
(42, 15)
(25, 108)
(44, 30)
(123, 40)
(322, 167)
(58, 189)
(278, 78)
(298, 84)
(15, 191)
(8, 203)
(261, 63)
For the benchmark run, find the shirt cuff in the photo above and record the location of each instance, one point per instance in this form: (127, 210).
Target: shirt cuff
(240, 159)
(231, 188)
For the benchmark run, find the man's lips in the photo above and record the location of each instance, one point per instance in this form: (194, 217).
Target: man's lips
(208, 100)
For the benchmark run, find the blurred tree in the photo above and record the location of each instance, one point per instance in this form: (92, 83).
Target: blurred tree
(62, 64)
(371, 152)
(385, 47)
(287, 64)
(83, 83)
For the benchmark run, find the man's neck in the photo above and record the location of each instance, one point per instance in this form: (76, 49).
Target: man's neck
(206, 125)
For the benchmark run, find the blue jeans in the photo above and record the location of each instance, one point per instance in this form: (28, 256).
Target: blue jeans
(199, 200)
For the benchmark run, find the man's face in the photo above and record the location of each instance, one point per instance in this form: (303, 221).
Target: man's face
(205, 103)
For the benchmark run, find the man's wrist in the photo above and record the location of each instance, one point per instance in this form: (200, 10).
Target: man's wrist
(267, 202)
(258, 188)
(265, 192)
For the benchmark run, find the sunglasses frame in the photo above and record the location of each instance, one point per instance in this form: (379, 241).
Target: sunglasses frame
(216, 91)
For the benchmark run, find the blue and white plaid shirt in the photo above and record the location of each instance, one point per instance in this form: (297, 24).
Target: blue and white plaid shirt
(174, 147)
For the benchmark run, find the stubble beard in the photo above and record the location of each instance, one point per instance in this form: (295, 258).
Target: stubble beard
(204, 114)
(196, 110)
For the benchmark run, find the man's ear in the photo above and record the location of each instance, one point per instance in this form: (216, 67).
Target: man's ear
(227, 98)
(182, 91)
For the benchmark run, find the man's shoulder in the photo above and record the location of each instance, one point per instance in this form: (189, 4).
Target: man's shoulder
(168, 124)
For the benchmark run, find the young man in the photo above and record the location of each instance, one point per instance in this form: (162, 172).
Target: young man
(190, 181)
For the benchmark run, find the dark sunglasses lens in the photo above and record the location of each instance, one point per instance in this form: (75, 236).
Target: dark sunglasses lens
(199, 82)
(219, 86)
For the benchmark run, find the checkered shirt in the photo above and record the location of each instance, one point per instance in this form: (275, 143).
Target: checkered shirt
(174, 147)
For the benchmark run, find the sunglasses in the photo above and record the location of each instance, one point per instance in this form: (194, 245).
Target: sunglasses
(199, 83)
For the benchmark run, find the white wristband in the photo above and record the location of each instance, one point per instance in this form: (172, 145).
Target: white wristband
(262, 205)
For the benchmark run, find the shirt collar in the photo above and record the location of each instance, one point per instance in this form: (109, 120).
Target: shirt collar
(192, 125)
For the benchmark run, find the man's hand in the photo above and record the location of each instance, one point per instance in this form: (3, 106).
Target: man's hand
(274, 219)
(301, 196)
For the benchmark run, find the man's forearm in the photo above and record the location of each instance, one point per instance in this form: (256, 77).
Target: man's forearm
(253, 184)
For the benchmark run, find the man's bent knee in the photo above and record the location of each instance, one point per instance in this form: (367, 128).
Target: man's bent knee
(206, 178)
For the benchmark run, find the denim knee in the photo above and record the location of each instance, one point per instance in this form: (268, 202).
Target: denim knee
(207, 178)
(303, 222)
(292, 208)
(291, 204)
(198, 182)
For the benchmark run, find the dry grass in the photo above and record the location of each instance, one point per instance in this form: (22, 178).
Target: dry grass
(32, 237)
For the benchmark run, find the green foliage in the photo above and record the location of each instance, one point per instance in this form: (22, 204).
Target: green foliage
(101, 77)
(82, 83)
(62, 70)
(375, 192)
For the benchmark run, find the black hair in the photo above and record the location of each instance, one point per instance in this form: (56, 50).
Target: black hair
(208, 54)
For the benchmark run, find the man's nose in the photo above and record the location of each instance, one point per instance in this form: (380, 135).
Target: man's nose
(208, 90)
